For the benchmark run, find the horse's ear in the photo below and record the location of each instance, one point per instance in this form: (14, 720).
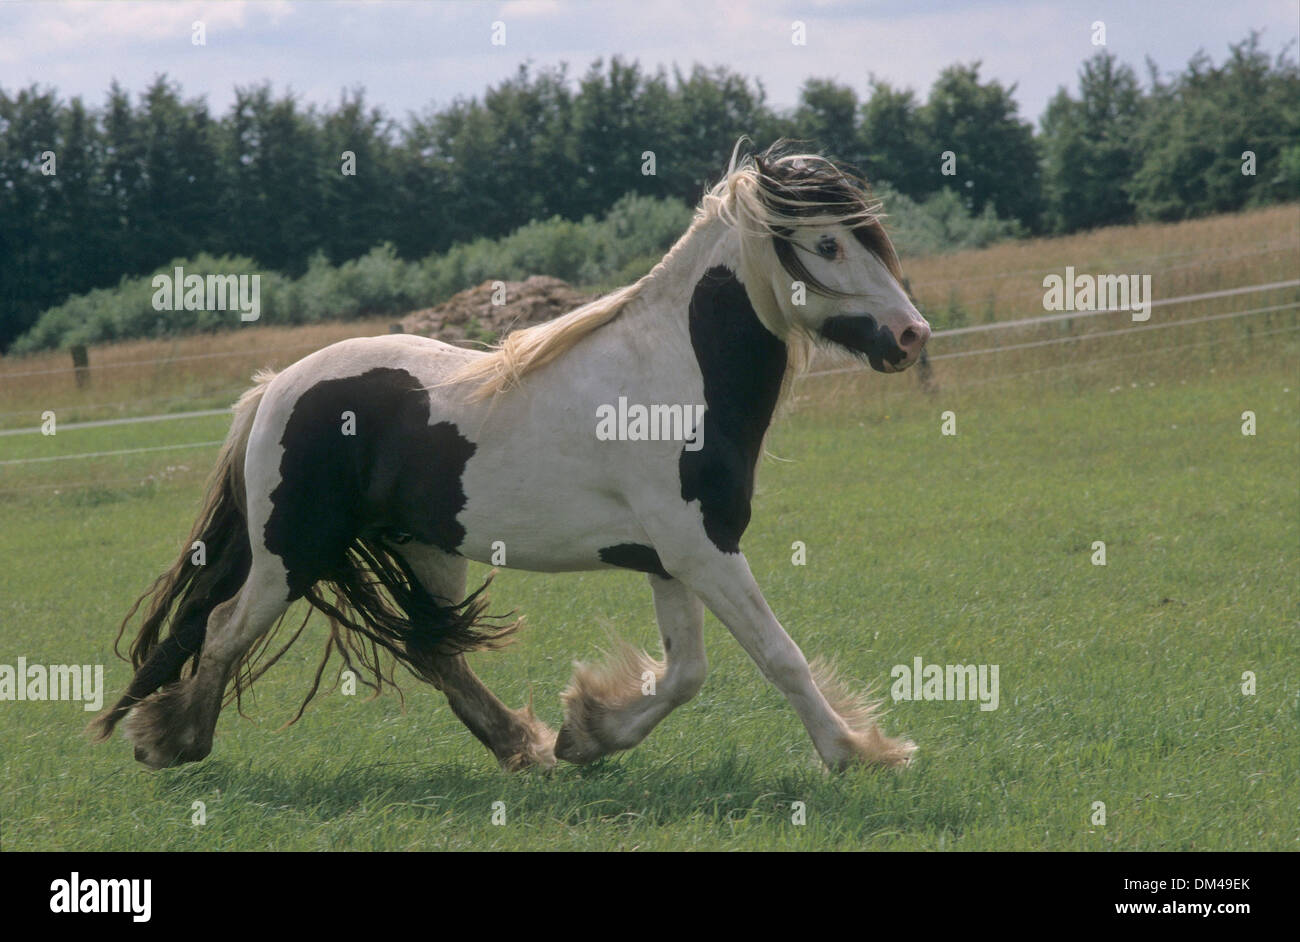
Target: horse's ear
(768, 158)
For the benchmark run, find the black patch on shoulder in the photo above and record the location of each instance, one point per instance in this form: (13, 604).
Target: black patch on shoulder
(398, 477)
(743, 365)
(636, 556)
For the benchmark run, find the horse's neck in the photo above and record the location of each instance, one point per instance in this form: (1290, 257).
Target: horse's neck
(706, 245)
(662, 306)
(702, 323)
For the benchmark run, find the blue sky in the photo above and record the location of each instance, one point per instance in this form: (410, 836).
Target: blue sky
(412, 54)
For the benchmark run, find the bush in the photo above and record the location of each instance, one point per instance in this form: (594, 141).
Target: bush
(127, 311)
(941, 223)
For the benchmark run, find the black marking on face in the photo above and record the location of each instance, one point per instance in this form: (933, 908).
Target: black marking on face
(636, 556)
(861, 334)
(743, 365)
(398, 476)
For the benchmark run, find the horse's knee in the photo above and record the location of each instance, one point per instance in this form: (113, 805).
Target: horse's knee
(686, 677)
(788, 670)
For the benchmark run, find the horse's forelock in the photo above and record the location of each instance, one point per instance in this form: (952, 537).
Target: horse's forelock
(785, 191)
(802, 190)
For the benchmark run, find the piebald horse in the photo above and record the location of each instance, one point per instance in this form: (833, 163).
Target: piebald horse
(365, 476)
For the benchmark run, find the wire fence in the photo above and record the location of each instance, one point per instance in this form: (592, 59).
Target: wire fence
(231, 392)
(110, 454)
(125, 420)
(1078, 338)
(163, 361)
(1083, 315)
(942, 334)
(938, 335)
(1266, 247)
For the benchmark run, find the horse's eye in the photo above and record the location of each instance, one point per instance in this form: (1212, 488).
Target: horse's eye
(827, 247)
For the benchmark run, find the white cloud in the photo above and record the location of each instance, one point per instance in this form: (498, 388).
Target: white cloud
(410, 54)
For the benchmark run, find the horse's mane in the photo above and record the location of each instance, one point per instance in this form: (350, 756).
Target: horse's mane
(769, 194)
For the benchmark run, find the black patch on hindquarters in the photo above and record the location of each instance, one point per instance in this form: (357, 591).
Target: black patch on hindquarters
(636, 556)
(743, 365)
(861, 334)
(397, 475)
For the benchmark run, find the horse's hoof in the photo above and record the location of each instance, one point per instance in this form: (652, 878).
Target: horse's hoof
(163, 730)
(576, 746)
(536, 749)
(158, 757)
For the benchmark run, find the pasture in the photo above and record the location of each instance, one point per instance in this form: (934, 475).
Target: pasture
(1119, 684)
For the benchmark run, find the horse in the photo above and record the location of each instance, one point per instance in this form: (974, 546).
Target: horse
(365, 476)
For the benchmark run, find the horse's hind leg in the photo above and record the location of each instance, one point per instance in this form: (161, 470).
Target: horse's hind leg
(175, 724)
(516, 737)
(615, 706)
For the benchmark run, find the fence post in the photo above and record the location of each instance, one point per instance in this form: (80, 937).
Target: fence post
(81, 363)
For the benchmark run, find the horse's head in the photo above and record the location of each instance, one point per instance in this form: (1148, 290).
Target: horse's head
(833, 272)
(857, 303)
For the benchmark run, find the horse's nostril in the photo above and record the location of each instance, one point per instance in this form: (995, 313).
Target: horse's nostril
(914, 338)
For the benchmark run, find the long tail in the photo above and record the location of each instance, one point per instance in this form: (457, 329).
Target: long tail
(378, 605)
(185, 595)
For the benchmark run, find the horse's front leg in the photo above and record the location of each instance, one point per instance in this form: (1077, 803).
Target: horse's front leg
(615, 705)
(842, 725)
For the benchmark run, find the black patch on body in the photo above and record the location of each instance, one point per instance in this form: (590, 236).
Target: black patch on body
(636, 556)
(397, 477)
(743, 365)
(861, 334)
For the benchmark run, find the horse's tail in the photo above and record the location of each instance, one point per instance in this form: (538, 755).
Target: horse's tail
(184, 596)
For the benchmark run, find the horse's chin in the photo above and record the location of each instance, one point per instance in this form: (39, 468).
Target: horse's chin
(884, 366)
(861, 336)
(881, 364)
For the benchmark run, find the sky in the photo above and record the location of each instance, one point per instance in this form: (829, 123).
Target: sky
(413, 54)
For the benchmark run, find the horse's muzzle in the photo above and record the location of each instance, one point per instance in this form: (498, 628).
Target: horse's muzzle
(877, 343)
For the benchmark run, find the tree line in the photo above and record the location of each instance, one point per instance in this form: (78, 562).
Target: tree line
(91, 195)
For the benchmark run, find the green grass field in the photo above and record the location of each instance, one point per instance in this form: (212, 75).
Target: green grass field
(1119, 684)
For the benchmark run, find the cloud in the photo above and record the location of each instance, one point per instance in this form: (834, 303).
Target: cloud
(408, 55)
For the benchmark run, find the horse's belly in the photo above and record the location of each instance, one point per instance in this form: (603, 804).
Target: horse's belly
(559, 534)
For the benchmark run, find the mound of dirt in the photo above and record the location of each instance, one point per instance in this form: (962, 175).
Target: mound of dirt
(471, 315)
